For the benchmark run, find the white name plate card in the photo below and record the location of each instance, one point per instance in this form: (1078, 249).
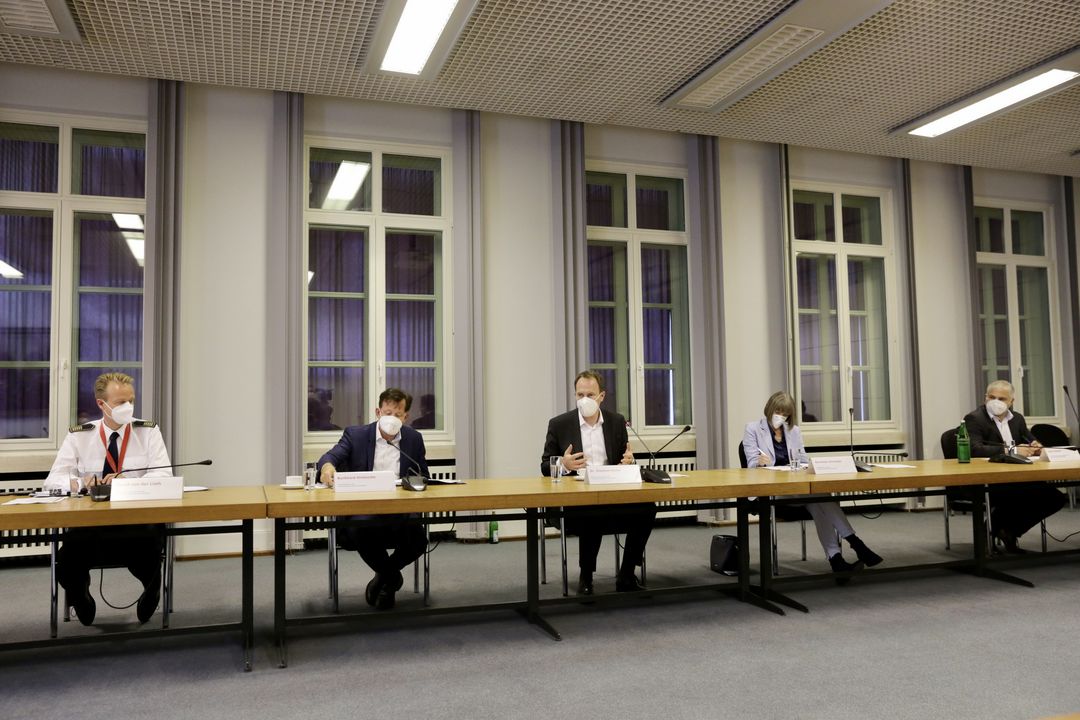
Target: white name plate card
(375, 481)
(155, 488)
(832, 465)
(1059, 455)
(613, 475)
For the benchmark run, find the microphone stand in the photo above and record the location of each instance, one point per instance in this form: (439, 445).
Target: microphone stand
(652, 474)
(861, 467)
(414, 481)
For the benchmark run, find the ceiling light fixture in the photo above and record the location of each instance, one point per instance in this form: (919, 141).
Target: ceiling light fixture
(128, 221)
(1031, 85)
(414, 37)
(348, 180)
(136, 243)
(9, 272)
(803, 28)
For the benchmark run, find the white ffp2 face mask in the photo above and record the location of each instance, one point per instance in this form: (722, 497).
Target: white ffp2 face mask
(778, 420)
(588, 407)
(997, 407)
(390, 424)
(122, 413)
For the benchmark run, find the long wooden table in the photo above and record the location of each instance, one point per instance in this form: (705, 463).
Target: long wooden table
(532, 495)
(223, 504)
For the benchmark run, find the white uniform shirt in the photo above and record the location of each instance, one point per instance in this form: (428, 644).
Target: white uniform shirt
(83, 452)
(1003, 427)
(387, 456)
(592, 441)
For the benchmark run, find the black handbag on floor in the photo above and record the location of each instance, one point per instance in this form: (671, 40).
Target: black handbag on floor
(724, 555)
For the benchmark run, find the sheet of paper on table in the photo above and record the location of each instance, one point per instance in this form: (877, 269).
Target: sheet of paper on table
(36, 500)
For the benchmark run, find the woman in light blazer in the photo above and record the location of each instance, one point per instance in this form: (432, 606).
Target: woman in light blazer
(775, 440)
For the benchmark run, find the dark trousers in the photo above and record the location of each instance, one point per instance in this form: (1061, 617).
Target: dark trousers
(1020, 507)
(136, 547)
(591, 524)
(402, 534)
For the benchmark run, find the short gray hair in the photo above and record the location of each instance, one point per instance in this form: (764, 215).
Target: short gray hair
(1005, 384)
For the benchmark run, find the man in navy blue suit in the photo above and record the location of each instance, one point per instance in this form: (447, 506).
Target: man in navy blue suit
(375, 446)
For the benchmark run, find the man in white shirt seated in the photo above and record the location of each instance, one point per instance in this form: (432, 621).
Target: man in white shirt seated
(98, 451)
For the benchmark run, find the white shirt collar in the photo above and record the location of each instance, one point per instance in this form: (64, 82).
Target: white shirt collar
(582, 422)
(1008, 415)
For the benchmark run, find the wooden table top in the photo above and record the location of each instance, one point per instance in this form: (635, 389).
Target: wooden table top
(220, 503)
(532, 492)
(938, 473)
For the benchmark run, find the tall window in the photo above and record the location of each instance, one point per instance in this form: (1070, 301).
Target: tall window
(376, 236)
(843, 298)
(72, 244)
(637, 293)
(1015, 285)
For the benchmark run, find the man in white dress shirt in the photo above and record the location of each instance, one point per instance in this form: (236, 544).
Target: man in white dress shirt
(98, 451)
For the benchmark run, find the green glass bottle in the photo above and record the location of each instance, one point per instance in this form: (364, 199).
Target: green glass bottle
(963, 444)
(493, 531)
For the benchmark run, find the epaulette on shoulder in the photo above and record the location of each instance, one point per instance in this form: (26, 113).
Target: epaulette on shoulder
(144, 423)
(81, 428)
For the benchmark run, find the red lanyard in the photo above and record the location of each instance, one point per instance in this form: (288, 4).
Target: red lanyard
(123, 447)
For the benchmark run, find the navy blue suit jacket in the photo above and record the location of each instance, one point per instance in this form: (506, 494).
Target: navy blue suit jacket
(355, 451)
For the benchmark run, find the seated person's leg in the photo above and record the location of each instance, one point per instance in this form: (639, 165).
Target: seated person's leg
(73, 561)
(410, 542)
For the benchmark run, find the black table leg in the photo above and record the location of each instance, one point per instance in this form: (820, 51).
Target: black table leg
(765, 530)
(978, 529)
(248, 563)
(742, 525)
(532, 568)
(279, 591)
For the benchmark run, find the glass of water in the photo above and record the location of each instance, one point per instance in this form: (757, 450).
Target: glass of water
(795, 465)
(555, 461)
(309, 476)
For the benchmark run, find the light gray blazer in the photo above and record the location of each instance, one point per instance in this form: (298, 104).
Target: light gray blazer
(757, 439)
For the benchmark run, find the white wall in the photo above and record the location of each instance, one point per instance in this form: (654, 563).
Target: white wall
(29, 87)
(634, 145)
(385, 122)
(519, 294)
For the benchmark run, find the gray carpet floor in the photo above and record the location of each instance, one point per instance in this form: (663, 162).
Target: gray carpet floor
(927, 645)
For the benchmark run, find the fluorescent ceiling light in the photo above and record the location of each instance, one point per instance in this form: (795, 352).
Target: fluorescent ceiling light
(128, 221)
(350, 176)
(136, 243)
(418, 29)
(310, 274)
(995, 103)
(9, 272)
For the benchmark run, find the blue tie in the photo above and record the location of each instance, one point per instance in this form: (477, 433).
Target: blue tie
(114, 453)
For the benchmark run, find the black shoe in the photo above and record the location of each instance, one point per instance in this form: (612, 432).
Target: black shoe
(1008, 540)
(865, 554)
(628, 583)
(374, 587)
(584, 586)
(839, 564)
(386, 596)
(148, 601)
(84, 605)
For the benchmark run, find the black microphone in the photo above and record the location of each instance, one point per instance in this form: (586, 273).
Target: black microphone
(159, 467)
(851, 432)
(414, 481)
(652, 474)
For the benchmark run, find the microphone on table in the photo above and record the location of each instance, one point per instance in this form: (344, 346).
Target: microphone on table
(414, 480)
(650, 473)
(161, 467)
(1008, 454)
(861, 467)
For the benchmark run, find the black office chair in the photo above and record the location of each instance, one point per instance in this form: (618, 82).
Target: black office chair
(1053, 436)
(787, 513)
(332, 553)
(960, 499)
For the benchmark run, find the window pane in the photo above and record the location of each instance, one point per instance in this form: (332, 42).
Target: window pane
(819, 349)
(862, 219)
(25, 320)
(336, 259)
(993, 316)
(110, 327)
(410, 331)
(426, 412)
(335, 329)
(339, 179)
(26, 238)
(659, 203)
(609, 353)
(605, 199)
(410, 263)
(1027, 232)
(869, 341)
(990, 229)
(108, 163)
(1033, 297)
(813, 216)
(110, 255)
(665, 335)
(29, 157)
(411, 185)
(86, 408)
(24, 403)
(336, 398)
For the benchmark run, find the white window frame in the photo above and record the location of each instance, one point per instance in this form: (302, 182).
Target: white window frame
(868, 431)
(1011, 262)
(377, 224)
(633, 239)
(38, 453)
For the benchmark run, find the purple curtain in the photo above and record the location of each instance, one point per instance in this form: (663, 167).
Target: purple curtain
(599, 209)
(113, 171)
(652, 209)
(28, 166)
(408, 190)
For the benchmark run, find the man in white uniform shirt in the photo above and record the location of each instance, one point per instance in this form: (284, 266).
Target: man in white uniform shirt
(103, 449)
(588, 436)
